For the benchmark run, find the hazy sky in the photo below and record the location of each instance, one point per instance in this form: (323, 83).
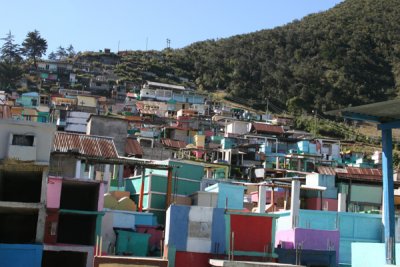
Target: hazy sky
(97, 24)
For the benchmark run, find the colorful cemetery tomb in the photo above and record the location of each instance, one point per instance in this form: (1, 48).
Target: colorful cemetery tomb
(230, 196)
(132, 243)
(186, 180)
(250, 234)
(309, 239)
(118, 219)
(352, 227)
(193, 235)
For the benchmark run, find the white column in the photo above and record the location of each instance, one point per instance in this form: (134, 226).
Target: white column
(107, 174)
(342, 202)
(78, 168)
(295, 202)
(261, 198)
(91, 172)
(121, 176)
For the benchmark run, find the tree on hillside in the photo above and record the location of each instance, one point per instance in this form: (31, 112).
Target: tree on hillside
(10, 74)
(10, 52)
(52, 56)
(34, 46)
(61, 53)
(71, 51)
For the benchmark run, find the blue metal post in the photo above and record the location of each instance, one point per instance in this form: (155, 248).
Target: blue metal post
(388, 196)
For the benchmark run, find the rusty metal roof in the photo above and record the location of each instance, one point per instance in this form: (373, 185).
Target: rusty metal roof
(266, 128)
(87, 145)
(173, 143)
(132, 147)
(326, 170)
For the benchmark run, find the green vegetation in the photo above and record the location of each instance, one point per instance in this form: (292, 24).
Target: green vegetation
(349, 55)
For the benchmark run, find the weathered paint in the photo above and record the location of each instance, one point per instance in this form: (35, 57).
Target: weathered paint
(156, 235)
(17, 255)
(199, 229)
(327, 204)
(192, 259)
(177, 227)
(54, 185)
(218, 231)
(309, 239)
(388, 196)
(100, 202)
(51, 224)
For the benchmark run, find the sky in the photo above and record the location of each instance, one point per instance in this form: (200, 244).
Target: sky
(92, 25)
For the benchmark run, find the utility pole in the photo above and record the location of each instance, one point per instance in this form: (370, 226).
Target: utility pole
(168, 43)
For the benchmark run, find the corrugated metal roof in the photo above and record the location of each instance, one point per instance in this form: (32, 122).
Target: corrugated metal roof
(132, 147)
(173, 143)
(364, 171)
(326, 170)
(87, 145)
(363, 174)
(266, 128)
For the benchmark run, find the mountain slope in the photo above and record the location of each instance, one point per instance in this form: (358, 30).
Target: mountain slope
(348, 55)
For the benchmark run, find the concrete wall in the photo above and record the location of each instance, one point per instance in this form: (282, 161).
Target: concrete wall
(62, 165)
(101, 125)
(44, 134)
(370, 254)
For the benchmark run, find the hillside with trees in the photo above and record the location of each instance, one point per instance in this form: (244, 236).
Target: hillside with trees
(348, 55)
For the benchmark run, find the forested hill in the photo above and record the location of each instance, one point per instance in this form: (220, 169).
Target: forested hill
(348, 55)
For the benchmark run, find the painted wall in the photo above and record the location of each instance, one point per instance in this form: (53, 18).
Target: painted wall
(370, 254)
(310, 239)
(192, 259)
(13, 255)
(353, 227)
(195, 229)
(228, 194)
(54, 192)
(262, 233)
(327, 204)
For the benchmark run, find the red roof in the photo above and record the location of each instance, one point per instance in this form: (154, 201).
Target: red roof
(173, 143)
(132, 147)
(267, 128)
(88, 145)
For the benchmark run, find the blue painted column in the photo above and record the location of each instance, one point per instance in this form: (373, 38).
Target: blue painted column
(388, 196)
